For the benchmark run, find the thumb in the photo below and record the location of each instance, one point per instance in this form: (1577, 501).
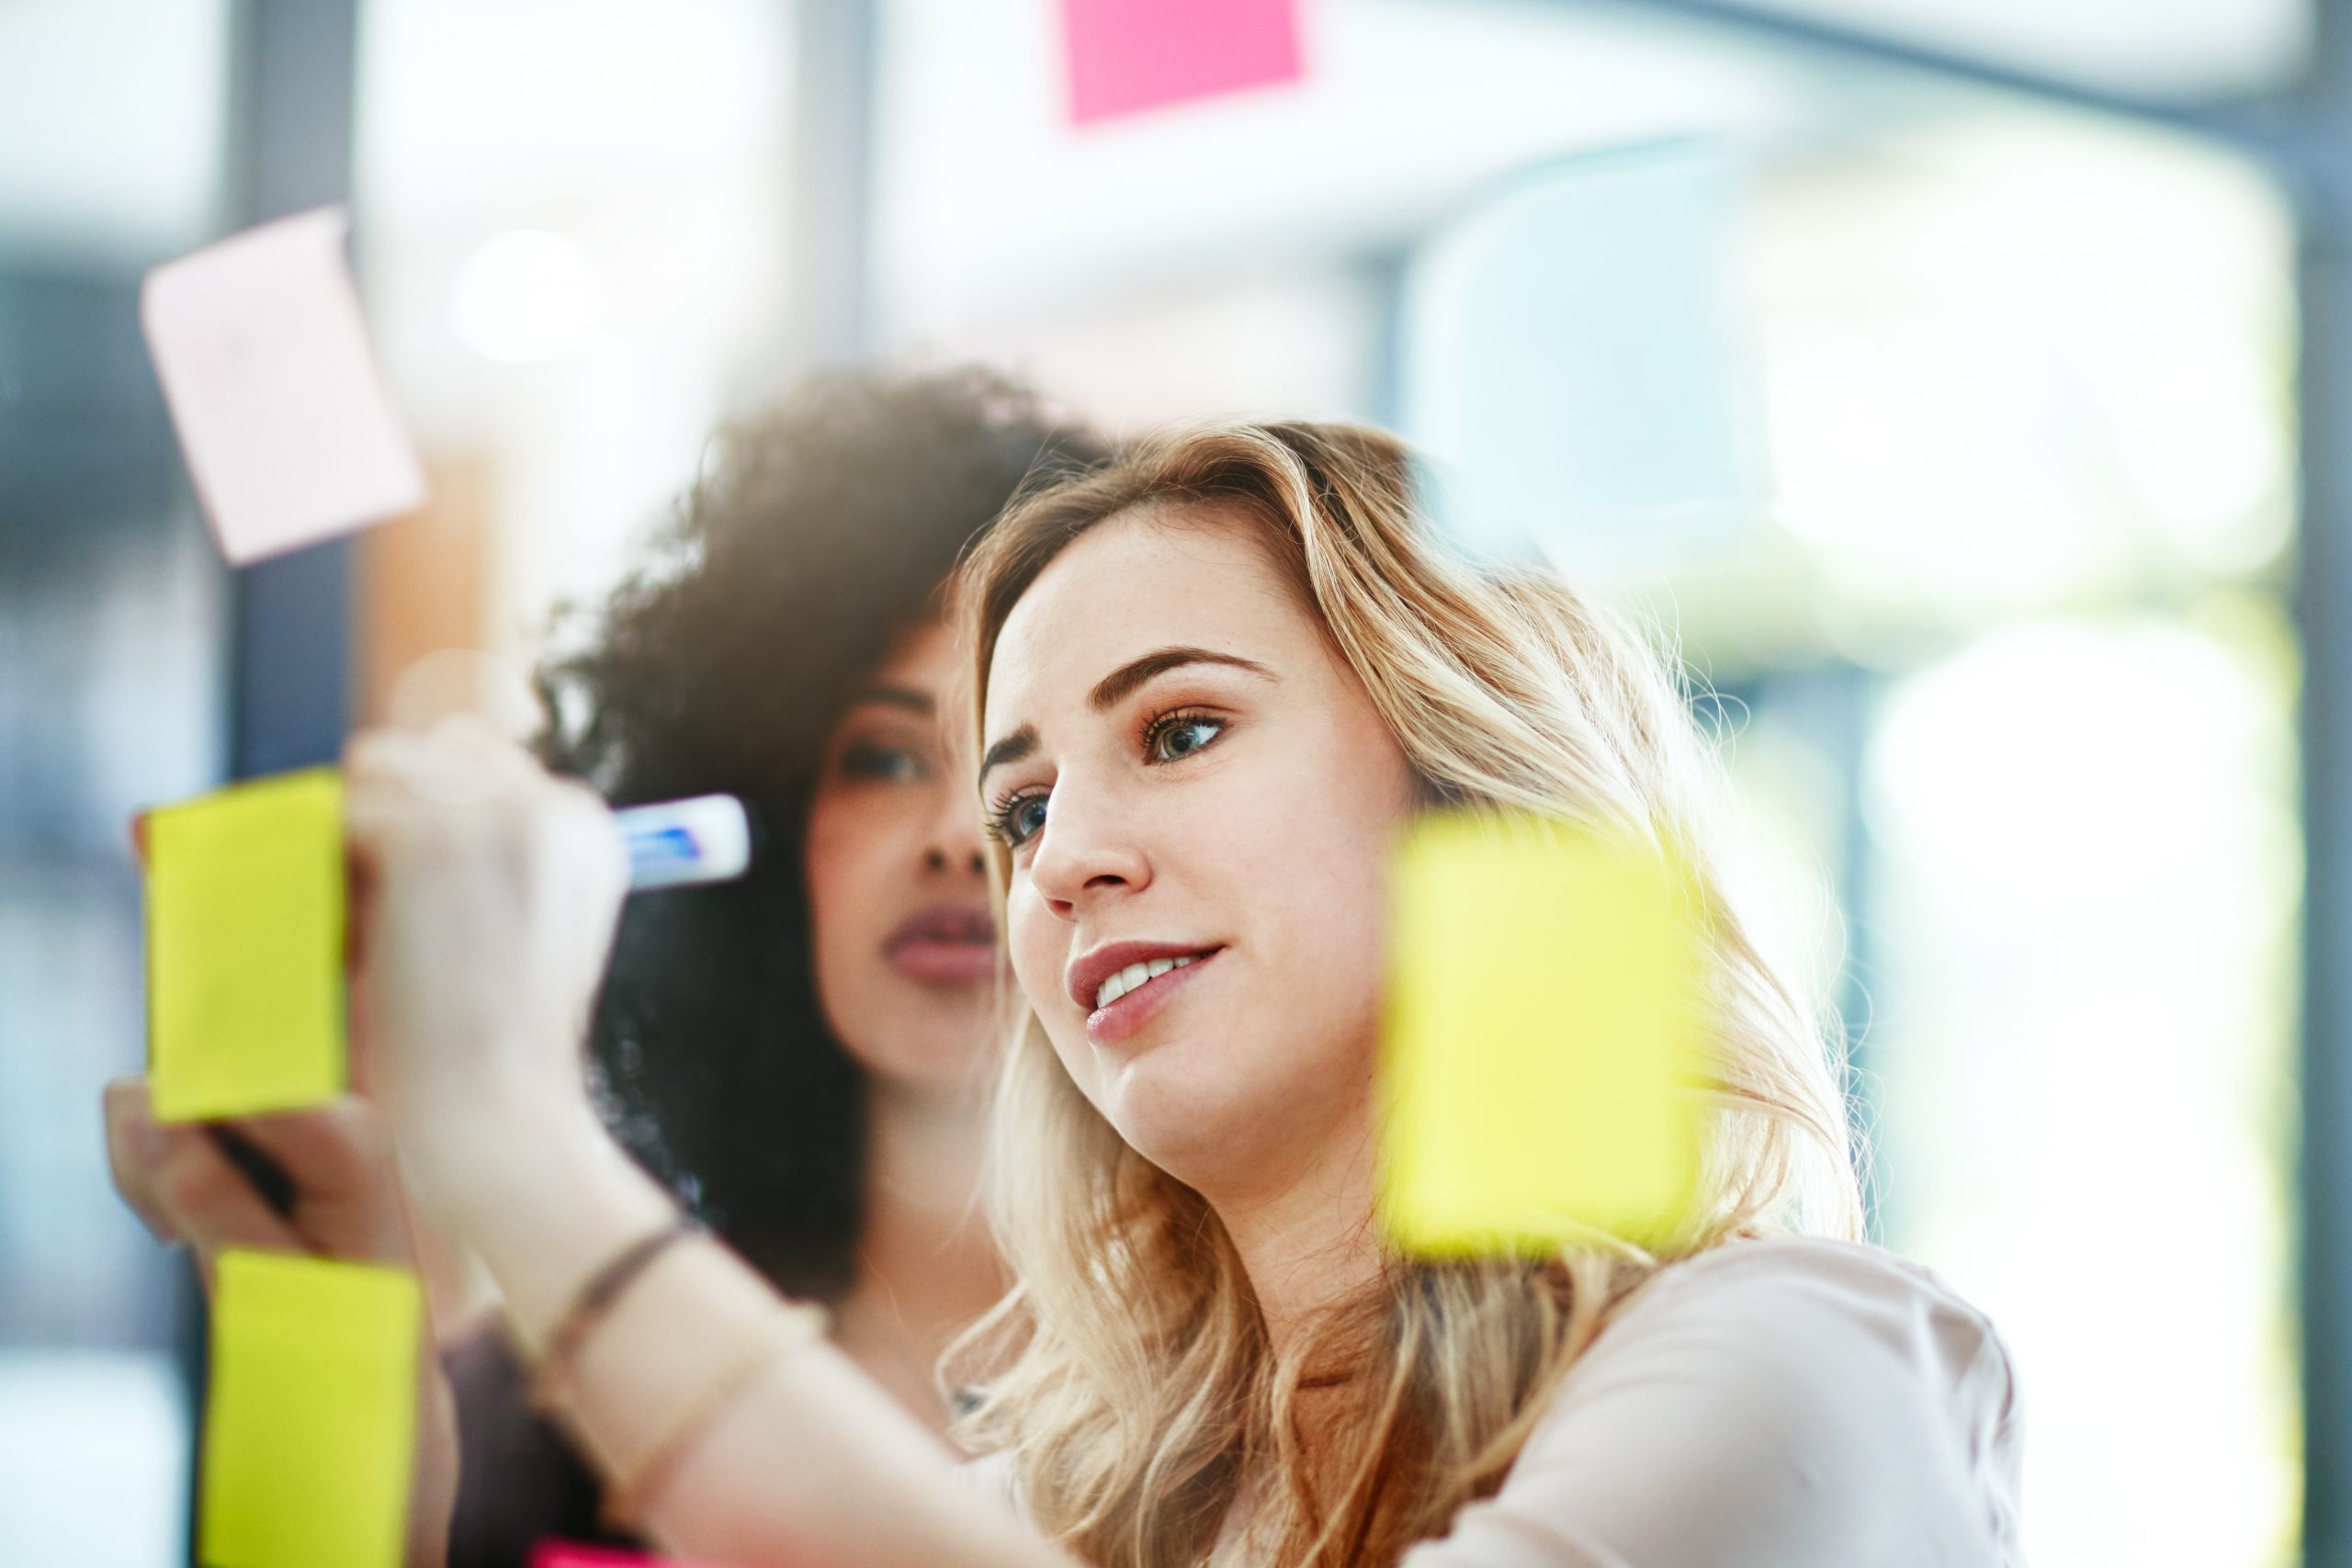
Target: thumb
(346, 1185)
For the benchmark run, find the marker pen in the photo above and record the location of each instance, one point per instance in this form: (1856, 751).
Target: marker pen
(681, 843)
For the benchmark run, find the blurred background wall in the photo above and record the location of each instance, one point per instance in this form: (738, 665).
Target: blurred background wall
(2024, 627)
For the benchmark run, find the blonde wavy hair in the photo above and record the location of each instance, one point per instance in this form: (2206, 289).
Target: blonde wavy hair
(1129, 1374)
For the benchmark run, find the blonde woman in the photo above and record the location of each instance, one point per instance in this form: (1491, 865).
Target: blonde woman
(1213, 683)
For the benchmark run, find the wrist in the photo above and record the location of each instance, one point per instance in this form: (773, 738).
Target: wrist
(476, 1157)
(538, 1192)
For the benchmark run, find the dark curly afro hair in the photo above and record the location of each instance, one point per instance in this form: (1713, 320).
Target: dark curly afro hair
(813, 536)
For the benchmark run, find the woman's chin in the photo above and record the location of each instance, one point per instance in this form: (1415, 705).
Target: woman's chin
(1184, 1121)
(947, 1050)
(1228, 1114)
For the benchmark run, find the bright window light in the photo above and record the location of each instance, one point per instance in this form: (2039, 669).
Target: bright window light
(524, 296)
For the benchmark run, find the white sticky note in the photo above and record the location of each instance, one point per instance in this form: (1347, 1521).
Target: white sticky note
(290, 432)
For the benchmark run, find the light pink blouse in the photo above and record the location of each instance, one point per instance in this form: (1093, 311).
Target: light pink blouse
(1782, 1404)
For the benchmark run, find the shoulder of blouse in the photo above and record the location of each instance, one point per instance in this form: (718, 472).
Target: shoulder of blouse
(1814, 1306)
(991, 1475)
(1777, 1400)
(1769, 1402)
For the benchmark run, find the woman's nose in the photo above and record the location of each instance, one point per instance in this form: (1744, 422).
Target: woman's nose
(936, 858)
(1077, 862)
(952, 843)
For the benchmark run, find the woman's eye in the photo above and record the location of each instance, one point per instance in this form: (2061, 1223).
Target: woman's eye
(1173, 740)
(1021, 820)
(896, 764)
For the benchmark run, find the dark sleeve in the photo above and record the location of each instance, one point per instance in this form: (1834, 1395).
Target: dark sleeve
(519, 1480)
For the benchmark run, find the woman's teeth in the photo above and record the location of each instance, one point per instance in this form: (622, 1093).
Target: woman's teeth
(1133, 977)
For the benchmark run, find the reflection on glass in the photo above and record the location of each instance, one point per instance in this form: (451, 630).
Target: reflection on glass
(2087, 890)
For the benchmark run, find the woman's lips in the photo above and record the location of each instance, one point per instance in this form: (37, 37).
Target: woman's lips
(944, 946)
(1125, 1017)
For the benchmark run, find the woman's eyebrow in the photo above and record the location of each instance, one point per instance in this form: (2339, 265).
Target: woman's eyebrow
(1011, 748)
(1120, 682)
(905, 697)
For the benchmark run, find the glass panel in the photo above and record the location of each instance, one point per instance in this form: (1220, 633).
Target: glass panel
(2087, 894)
(2029, 386)
(2163, 49)
(111, 119)
(112, 632)
(573, 244)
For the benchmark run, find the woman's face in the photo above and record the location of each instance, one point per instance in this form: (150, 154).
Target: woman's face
(906, 951)
(1192, 781)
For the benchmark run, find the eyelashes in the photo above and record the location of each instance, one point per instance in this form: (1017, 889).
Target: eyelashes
(1172, 736)
(1004, 823)
(1160, 736)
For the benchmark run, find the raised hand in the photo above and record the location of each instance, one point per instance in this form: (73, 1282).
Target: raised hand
(486, 894)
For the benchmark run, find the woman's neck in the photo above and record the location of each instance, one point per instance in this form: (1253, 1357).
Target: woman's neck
(925, 1265)
(1307, 1242)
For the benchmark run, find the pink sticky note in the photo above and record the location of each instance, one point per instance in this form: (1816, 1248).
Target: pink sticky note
(282, 413)
(1126, 56)
(564, 1554)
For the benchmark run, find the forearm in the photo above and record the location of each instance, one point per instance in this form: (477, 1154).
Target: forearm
(807, 1461)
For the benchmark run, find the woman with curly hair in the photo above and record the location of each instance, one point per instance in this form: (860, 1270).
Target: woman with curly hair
(798, 1054)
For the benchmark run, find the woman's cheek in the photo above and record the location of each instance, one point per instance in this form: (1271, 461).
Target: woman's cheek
(846, 842)
(1035, 946)
(839, 883)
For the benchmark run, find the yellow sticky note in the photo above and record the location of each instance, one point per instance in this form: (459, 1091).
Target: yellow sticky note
(310, 1426)
(1544, 1040)
(245, 907)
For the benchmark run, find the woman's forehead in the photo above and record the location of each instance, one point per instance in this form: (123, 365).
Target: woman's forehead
(923, 653)
(1139, 581)
(914, 676)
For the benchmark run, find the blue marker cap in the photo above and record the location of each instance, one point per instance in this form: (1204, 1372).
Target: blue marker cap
(681, 843)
